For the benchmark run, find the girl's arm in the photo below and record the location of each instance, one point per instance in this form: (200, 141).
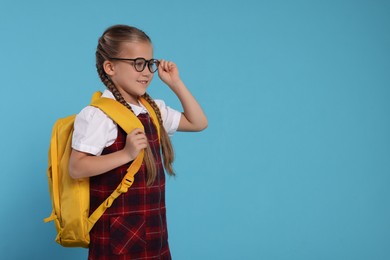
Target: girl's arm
(193, 117)
(86, 165)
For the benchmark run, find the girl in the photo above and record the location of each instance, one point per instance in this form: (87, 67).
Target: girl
(134, 227)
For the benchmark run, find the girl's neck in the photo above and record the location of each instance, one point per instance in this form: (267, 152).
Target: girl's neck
(133, 100)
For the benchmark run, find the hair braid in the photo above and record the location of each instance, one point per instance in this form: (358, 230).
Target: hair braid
(166, 145)
(109, 45)
(148, 157)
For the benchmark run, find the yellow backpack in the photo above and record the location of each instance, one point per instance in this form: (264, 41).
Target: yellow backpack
(70, 197)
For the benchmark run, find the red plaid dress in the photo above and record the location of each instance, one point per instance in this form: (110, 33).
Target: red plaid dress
(134, 227)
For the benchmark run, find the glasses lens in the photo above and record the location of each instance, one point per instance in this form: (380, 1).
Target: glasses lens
(153, 65)
(139, 64)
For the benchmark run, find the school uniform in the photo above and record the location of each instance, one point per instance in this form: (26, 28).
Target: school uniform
(135, 226)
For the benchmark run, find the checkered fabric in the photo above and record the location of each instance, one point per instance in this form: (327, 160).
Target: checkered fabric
(135, 226)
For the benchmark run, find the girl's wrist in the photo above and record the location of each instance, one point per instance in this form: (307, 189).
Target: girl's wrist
(177, 85)
(125, 156)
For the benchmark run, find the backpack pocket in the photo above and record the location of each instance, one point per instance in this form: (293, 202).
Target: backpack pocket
(127, 234)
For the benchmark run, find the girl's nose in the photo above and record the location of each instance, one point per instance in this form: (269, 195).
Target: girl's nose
(147, 73)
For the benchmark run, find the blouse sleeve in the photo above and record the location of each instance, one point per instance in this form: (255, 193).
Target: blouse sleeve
(93, 131)
(170, 117)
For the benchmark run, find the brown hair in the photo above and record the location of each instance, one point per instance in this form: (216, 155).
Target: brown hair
(109, 45)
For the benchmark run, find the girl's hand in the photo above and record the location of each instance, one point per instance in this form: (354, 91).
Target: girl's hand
(83, 165)
(168, 73)
(193, 117)
(135, 142)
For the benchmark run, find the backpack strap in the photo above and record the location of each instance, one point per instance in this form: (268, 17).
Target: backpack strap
(120, 114)
(128, 122)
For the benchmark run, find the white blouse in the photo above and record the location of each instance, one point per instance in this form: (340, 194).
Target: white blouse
(94, 130)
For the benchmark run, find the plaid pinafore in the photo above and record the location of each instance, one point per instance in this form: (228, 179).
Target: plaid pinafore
(135, 226)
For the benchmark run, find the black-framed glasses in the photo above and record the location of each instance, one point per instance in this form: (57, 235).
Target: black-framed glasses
(140, 64)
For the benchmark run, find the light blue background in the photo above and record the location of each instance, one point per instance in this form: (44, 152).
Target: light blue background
(295, 163)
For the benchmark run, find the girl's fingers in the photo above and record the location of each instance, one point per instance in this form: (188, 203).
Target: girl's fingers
(166, 65)
(136, 131)
(139, 140)
(137, 137)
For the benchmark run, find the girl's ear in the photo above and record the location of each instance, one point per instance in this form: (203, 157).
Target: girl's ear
(108, 67)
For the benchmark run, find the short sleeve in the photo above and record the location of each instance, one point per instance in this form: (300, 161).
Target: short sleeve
(170, 117)
(93, 131)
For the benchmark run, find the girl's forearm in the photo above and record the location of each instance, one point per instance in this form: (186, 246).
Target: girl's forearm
(83, 165)
(194, 117)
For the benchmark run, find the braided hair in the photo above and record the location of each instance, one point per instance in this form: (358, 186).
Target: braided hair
(109, 46)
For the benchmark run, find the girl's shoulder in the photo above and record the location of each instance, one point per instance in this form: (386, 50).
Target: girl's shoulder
(160, 103)
(94, 119)
(93, 131)
(92, 114)
(170, 117)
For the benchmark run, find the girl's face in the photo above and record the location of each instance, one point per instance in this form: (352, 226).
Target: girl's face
(131, 83)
